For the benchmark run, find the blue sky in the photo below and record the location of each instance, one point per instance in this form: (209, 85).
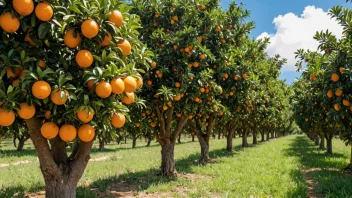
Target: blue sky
(263, 13)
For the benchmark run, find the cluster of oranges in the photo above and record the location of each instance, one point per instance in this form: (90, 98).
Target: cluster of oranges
(84, 59)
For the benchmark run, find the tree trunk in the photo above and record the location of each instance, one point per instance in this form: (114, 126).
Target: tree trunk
(134, 142)
(204, 149)
(267, 136)
(20, 144)
(192, 137)
(262, 136)
(328, 144)
(244, 139)
(101, 143)
(322, 143)
(317, 140)
(272, 135)
(350, 165)
(125, 140)
(229, 139)
(167, 160)
(219, 134)
(255, 138)
(179, 139)
(61, 173)
(149, 140)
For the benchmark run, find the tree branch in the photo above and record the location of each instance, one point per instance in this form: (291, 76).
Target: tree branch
(180, 124)
(80, 162)
(169, 113)
(161, 120)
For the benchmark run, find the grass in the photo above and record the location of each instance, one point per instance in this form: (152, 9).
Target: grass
(268, 169)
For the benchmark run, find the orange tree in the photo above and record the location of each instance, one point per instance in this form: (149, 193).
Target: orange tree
(173, 31)
(68, 68)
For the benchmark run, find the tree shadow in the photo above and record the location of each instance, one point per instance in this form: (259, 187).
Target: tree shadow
(322, 173)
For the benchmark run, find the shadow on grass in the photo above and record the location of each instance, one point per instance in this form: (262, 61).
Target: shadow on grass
(329, 180)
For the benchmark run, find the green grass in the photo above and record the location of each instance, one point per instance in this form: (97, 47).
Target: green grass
(268, 169)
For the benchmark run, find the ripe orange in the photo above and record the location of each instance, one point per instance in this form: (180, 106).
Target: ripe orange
(29, 40)
(16, 82)
(138, 124)
(26, 111)
(84, 58)
(44, 11)
(116, 18)
(90, 28)
(153, 124)
(42, 64)
(218, 28)
(235, 78)
(195, 64)
(10, 73)
(103, 89)
(117, 85)
(106, 41)
(177, 84)
(47, 114)
(339, 92)
(196, 99)
(335, 77)
(128, 98)
(306, 119)
(49, 130)
(341, 69)
(67, 132)
(59, 97)
(165, 107)
(83, 116)
(346, 103)
(23, 7)
(312, 77)
(130, 84)
(86, 133)
(160, 75)
(6, 117)
(9, 24)
(41, 89)
(175, 18)
(337, 107)
(244, 76)
(177, 98)
(139, 82)
(118, 120)
(202, 90)
(149, 83)
(153, 64)
(125, 46)
(202, 56)
(329, 94)
(70, 40)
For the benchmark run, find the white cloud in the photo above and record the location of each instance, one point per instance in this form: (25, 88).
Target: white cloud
(295, 32)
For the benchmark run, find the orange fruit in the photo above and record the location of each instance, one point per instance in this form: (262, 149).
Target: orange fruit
(86, 133)
(9, 24)
(139, 82)
(6, 117)
(195, 64)
(335, 77)
(29, 40)
(130, 84)
(165, 107)
(244, 76)
(26, 111)
(23, 7)
(329, 94)
(153, 124)
(67, 132)
(59, 97)
(118, 120)
(202, 56)
(10, 73)
(116, 18)
(128, 98)
(106, 41)
(125, 46)
(341, 69)
(83, 116)
(44, 11)
(337, 107)
(306, 119)
(175, 18)
(218, 28)
(346, 103)
(84, 58)
(90, 28)
(70, 40)
(138, 124)
(49, 130)
(153, 64)
(339, 92)
(103, 89)
(149, 83)
(47, 114)
(177, 84)
(117, 85)
(41, 64)
(196, 99)
(202, 90)
(90, 84)
(235, 78)
(160, 75)
(177, 98)
(312, 77)
(41, 89)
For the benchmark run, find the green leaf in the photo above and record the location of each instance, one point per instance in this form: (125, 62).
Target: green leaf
(43, 30)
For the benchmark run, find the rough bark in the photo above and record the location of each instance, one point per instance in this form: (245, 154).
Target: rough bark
(322, 143)
(167, 160)
(272, 135)
(193, 137)
(219, 134)
(148, 142)
(244, 138)
(61, 174)
(179, 139)
(267, 136)
(229, 139)
(262, 136)
(134, 142)
(317, 140)
(20, 145)
(255, 138)
(328, 144)
(101, 144)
